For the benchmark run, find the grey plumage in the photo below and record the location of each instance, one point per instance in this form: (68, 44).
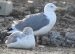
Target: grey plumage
(13, 37)
(36, 21)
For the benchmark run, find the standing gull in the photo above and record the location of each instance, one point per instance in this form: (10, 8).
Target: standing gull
(20, 39)
(41, 23)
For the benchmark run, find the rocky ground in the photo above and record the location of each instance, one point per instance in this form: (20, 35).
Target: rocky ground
(60, 40)
(37, 50)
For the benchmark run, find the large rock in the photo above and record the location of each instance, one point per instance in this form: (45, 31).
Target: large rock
(70, 35)
(6, 7)
(57, 39)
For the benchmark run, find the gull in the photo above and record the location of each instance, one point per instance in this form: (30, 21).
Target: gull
(41, 23)
(21, 39)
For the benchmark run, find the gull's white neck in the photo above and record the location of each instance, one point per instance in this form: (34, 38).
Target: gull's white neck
(50, 15)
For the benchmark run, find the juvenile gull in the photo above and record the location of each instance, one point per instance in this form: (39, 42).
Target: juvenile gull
(20, 39)
(41, 23)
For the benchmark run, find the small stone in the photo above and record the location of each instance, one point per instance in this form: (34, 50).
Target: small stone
(9, 18)
(3, 34)
(1, 19)
(0, 24)
(41, 46)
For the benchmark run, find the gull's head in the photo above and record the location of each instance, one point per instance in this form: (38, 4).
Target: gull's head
(28, 30)
(50, 7)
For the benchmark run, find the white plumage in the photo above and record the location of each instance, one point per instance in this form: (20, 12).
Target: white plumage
(23, 39)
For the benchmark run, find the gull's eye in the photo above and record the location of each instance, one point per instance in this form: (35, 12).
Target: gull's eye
(51, 6)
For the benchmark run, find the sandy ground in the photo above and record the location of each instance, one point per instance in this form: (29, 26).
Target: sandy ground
(37, 50)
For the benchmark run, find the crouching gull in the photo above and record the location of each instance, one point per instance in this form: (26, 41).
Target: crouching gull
(24, 39)
(41, 23)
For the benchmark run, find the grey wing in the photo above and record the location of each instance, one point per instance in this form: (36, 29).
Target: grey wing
(36, 21)
(13, 37)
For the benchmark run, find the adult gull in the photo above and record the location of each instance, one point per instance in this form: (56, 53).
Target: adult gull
(41, 23)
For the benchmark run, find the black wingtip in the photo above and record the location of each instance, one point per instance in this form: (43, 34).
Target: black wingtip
(9, 29)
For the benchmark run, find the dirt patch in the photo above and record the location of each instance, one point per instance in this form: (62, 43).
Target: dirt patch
(45, 50)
